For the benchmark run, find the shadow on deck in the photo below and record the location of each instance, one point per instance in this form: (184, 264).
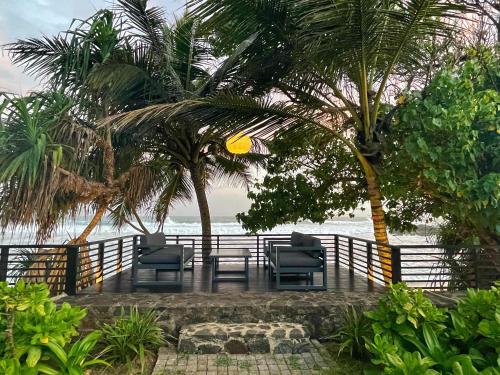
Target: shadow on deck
(199, 281)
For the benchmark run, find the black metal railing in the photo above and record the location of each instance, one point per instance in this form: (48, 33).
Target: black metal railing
(71, 268)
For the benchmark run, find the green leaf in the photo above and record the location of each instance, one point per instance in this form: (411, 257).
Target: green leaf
(34, 354)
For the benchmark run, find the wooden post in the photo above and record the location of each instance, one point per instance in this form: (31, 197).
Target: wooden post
(119, 257)
(71, 270)
(396, 264)
(100, 259)
(134, 251)
(351, 256)
(4, 263)
(369, 261)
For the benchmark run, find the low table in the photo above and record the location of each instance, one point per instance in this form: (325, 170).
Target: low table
(216, 255)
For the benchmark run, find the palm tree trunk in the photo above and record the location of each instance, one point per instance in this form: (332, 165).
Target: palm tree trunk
(82, 238)
(57, 259)
(378, 219)
(201, 197)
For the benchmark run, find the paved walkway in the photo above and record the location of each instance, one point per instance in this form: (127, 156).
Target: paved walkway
(172, 363)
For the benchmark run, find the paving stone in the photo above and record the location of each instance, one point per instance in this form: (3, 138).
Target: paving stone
(247, 364)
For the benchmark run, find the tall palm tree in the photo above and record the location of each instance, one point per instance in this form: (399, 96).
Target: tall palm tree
(55, 160)
(171, 64)
(319, 63)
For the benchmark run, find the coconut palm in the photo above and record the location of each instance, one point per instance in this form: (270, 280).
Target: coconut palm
(171, 64)
(318, 63)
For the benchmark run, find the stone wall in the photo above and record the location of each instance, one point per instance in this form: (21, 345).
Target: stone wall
(319, 312)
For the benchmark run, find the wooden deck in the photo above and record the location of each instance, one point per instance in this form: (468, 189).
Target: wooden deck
(199, 281)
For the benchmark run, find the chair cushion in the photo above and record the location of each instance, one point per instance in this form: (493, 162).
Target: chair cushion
(296, 239)
(153, 241)
(310, 241)
(296, 259)
(167, 255)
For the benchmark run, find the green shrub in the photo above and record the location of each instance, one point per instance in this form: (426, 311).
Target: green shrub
(132, 337)
(35, 334)
(412, 336)
(353, 333)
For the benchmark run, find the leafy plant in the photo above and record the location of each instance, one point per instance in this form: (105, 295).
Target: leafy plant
(353, 333)
(132, 336)
(475, 324)
(36, 334)
(404, 310)
(412, 336)
(75, 361)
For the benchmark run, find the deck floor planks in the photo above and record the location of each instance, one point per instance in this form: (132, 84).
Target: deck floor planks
(199, 281)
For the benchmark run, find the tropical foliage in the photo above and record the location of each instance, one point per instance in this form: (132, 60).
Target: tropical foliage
(331, 65)
(177, 64)
(449, 140)
(411, 335)
(36, 335)
(116, 62)
(314, 178)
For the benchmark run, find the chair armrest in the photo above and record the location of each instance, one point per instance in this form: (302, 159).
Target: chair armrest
(275, 239)
(272, 243)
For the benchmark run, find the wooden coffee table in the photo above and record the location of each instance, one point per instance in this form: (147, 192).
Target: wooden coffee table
(217, 255)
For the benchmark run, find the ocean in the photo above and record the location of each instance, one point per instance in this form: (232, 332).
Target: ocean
(184, 225)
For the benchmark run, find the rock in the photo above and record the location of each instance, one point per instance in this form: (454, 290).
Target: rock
(235, 347)
(209, 348)
(296, 334)
(187, 345)
(259, 345)
(278, 333)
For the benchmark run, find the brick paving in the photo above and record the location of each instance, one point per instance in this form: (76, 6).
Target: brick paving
(171, 363)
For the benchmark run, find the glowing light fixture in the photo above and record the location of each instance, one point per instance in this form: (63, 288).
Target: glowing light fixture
(239, 144)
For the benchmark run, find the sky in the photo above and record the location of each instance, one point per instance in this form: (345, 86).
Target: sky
(21, 19)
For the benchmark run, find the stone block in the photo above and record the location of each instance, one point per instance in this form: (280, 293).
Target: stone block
(243, 338)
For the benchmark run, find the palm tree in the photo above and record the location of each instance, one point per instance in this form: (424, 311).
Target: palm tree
(318, 63)
(55, 160)
(171, 64)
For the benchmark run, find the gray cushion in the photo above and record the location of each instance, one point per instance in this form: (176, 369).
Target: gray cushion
(167, 255)
(296, 259)
(299, 239)
(310, 241)
(296, 239)
(153, 241)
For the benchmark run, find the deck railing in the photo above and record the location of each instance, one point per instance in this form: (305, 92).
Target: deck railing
(71, 268)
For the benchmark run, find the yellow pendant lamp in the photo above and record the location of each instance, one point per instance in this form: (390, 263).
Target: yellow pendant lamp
(239, 144)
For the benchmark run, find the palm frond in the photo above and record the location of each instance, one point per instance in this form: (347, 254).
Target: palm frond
(149, 22)
(176, 188)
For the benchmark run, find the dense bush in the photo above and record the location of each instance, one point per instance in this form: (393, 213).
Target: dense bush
(412, 336)
(36, 335)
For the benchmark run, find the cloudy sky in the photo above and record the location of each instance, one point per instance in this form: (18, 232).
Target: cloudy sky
(34, 18)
